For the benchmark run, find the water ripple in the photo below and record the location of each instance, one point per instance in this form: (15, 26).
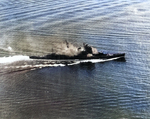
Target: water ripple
(95, 91)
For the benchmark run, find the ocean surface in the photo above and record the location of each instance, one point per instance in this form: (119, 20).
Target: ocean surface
(33, 89)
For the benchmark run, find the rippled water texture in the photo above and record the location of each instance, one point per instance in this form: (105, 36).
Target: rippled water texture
(110, 90)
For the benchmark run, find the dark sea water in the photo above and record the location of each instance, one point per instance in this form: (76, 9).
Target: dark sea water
(110, 90)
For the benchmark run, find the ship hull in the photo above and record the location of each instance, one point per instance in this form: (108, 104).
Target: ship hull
(80, 57)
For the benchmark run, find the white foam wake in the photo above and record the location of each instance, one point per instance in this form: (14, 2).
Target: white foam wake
(13, 58)
(94, 60)
(22, 58)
